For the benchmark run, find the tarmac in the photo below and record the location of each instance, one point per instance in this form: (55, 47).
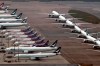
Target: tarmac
(74, 51)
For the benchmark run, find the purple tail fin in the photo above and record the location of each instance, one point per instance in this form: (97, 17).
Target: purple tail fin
(34, 35)
(40, 41)
(42, 44)
(1, 5)
(27, 29)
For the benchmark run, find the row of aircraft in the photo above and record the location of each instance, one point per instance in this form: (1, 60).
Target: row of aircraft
(88, 38)
(25, 41)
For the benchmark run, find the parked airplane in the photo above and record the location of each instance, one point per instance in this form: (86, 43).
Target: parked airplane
(38, 56)
(23, 36)
(2, 6)
(83, 34)
(44, 44)
(76, 29)
(13, 14)
(5, 25)
(5, 10)
(97, 46)
(30, 49)
(27, 42)
(55, 14)
(61, 19)
(90, 39)
(11, 19)
(18, 33)
(26, 39)
(68, 24)
(16, 30)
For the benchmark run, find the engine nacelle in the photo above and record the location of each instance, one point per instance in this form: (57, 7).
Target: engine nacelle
(75, 31)
(81, 36)
(88, 41)
(96, 47)
(67, 26)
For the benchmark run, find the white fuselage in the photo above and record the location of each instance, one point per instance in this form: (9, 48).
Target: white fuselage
(35, 55)
(61, 19)
(55, 13)
(11, 30)
(84, 33)
(9, 20)
(18, 36)
(24, 42)
(69, 23)
(97, 46)
(12, 24)
(7, 16)
(91, 38)
(26, 45)
(97, 42)
(2, 12)
(77, 28)
(27, 49)
(21, 39)
(13, 33)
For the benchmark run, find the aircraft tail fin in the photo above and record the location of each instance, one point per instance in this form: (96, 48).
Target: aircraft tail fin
(2, 5)
(6, 9)
(46, 43)
(57, 50)
(86, 30)
(19, 16)
(54, 43)
(24, 20)
(14, 12)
